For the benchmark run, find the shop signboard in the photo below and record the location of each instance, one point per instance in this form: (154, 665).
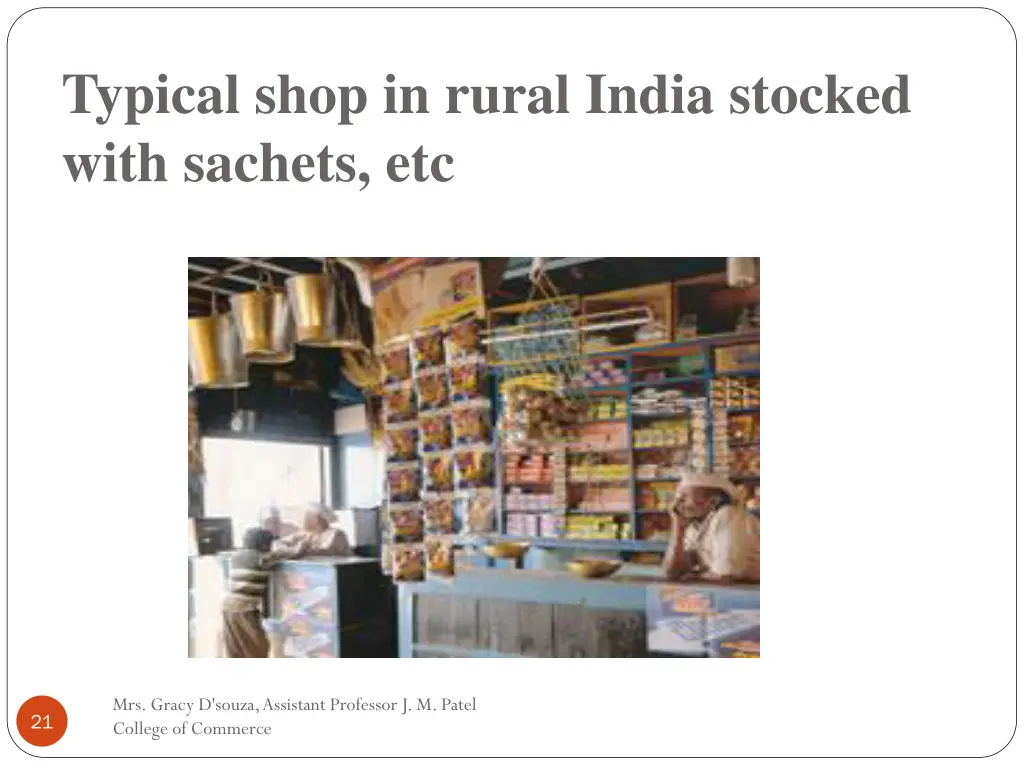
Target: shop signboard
(410, 294)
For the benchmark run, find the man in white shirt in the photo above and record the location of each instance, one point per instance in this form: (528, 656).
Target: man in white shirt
(317, 538)
(711, 538)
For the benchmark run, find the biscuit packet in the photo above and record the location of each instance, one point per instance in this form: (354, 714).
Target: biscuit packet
(403, 481)
(406, 523)
(428, 348)
(397, 362)
(439, 514)
(440, 552)
(432, 387)
(409, 563)
(463, 339)
(403, 441)
(438, 472)
(477, 511)
(399, 402)
(475, 467)
(467, 378)
(435, 431)
(471, 422)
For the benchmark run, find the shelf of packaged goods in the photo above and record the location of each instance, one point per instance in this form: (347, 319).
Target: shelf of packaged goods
(750, 373)
(604, 545)
(599, 480)
(742, 411)
(584, 452)
(696, 379)
(660, 415)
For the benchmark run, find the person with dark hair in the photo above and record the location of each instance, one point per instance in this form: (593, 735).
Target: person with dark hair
(244, 604)
(711, 537)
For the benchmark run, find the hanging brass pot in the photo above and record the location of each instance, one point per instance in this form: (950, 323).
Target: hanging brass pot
(265, 326)
(315, 306)
(215, 354)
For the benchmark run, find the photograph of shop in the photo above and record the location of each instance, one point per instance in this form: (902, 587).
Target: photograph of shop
(474, 458)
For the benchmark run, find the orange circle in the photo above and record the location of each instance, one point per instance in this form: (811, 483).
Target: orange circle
(42, 721)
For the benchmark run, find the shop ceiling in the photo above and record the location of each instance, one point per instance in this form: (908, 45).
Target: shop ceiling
(507, 280)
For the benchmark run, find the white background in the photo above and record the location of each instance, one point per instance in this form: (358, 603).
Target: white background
(888, 252)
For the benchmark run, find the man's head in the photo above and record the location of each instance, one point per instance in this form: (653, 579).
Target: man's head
(257, 539)
(270, 521)
(699, 495)
(317, 519)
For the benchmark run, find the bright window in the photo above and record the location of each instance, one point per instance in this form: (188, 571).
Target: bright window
(244, 476)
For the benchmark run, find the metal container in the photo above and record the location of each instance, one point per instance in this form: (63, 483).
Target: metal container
(314, 303)
(265, 326)
(215, 354)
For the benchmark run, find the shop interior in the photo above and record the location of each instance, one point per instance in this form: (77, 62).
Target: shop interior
(501, 443)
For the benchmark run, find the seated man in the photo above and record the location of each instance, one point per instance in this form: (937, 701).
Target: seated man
(712, 538)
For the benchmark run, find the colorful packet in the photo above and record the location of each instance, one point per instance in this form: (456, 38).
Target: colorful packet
(404, 481)
(432, 387)
(403, 441)
(439, 514)
(467, 378)
(435, 431)
(463, 339)
(471, 422)
(428, 348)
(438, 472)
(475, 466)
(399, 403)
(478, 511)
(440, 552)
(397, 363)
(406, 522)
(409, 563)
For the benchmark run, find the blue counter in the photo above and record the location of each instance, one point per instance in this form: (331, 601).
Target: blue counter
(489, 613)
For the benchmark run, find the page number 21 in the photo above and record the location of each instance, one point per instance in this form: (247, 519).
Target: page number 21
(41, 723)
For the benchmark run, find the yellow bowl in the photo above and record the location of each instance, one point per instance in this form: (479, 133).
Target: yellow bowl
(506, 550)
(594, 569)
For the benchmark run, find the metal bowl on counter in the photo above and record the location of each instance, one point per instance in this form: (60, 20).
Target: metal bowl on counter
(594, 569)
(506, 550)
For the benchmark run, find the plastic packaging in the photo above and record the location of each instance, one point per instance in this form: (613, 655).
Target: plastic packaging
(475, 466)
(399, 403)
(403, 441)
(406, 522)
(439, 514)
(428, 348)
(432, 387)
(467, 378)
(409, 563)
(435, 431)
(397, 363)
(438, 472)
(403, 481)
(441, 556)
(463, 339)
(471, 422)
(478, 511)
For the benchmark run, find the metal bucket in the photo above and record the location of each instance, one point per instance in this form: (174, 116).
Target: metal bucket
(314, 302)
(215, 355)
(265, 327)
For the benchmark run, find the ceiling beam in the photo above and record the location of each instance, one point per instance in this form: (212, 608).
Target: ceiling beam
(549, 265)
(271, 267)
